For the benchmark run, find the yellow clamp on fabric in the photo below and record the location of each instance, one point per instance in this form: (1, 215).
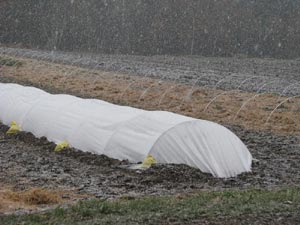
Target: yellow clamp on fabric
(61, 146)
(14, 128)
(148, 161)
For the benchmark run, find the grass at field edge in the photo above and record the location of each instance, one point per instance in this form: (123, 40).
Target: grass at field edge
(156, 210)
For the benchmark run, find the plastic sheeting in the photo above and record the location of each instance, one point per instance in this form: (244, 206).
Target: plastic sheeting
(123, 132)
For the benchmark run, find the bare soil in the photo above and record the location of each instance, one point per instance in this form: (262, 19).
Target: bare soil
(248, 74)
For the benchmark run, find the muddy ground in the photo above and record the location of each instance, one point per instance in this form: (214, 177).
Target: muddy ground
(29, 162)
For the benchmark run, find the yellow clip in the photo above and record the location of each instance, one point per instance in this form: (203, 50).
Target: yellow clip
(14, 128)
(61, 146)
(149, 161)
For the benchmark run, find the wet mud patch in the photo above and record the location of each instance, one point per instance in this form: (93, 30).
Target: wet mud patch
(30, 162)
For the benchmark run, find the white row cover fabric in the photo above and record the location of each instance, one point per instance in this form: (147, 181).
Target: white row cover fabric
(123, 132)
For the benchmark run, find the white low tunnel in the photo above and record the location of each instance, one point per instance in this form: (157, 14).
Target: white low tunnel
(123, 132)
